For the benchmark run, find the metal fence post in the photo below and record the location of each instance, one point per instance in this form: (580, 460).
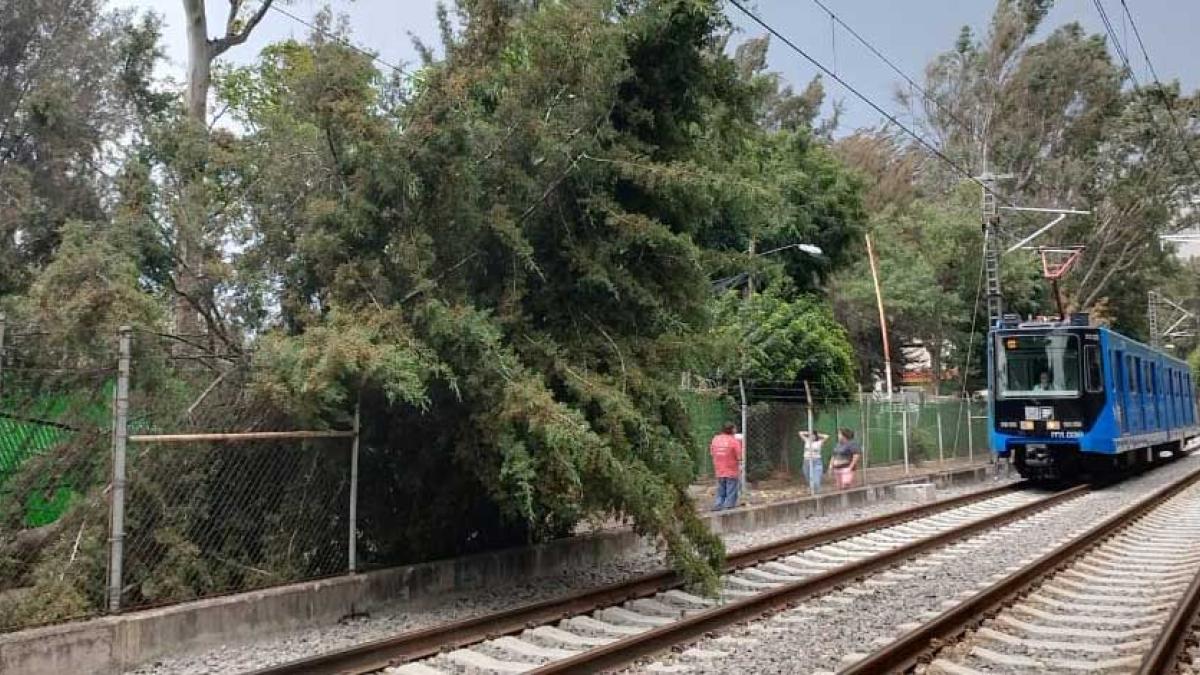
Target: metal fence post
(3, 323)
(904, 430)
(120, 438)
(970, 436)
(937, 409)
(742, 490)
(353, 549)
(864, 411)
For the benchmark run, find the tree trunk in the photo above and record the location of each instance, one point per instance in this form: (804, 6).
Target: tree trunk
(199, 61)
(935, 366)
(193, 208)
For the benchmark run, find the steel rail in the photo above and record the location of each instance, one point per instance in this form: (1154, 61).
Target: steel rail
(426, 642)
(1165, 651)
(911, 647)
(627, 650)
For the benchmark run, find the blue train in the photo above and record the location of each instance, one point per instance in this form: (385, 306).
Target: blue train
(1068, 399)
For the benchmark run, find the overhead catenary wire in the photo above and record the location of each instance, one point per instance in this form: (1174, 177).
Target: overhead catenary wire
(274, 6)
(1179, 129)
(912, 83)
(958, 168)
(1124, 56)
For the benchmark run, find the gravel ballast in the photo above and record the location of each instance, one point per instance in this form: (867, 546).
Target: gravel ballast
(821, 634)
(259, 653)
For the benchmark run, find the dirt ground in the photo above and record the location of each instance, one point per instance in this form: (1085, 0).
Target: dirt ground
(782, 488)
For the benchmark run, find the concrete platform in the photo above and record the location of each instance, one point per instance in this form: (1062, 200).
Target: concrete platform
(113, 644)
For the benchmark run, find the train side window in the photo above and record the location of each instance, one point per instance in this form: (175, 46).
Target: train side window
(1132, 372)
(1091, 364)
(1150, 388)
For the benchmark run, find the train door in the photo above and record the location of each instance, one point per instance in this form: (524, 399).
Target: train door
(1189, 398)
(1133, 411)
(1150, 396)
(1171, 414)
(1180, 400)
(1120, 390)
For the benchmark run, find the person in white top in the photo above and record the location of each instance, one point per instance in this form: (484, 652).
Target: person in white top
(812, 458)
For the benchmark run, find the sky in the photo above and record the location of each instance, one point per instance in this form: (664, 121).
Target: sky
(909, 32)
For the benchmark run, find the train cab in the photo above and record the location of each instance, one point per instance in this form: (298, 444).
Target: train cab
(1067, 399)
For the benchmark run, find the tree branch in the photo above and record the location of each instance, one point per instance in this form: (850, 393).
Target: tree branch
(220, 45)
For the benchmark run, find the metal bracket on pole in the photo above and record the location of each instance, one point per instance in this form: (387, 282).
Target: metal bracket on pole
(120, 438)
(1177, 316)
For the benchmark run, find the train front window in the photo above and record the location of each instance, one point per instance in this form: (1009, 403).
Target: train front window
(1038, 366)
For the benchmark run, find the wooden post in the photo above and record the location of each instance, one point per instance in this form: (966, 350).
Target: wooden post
(887, 350)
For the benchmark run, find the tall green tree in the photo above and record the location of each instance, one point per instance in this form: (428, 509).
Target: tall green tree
(1057, 114)
(70, 79)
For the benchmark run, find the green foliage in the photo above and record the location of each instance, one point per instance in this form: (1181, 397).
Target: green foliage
(90, 287)
(1194, 362)
(1059, 119)
(929, 294)
(780, 340)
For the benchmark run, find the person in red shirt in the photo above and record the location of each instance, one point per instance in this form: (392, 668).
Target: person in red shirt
(726, 451)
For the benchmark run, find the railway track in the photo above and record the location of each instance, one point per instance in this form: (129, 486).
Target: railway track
(617, 624)
(1121, 597)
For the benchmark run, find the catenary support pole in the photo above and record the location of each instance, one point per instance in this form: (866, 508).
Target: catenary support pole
(116, 536)
(353, 539)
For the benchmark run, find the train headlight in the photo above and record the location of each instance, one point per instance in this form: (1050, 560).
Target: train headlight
(1073, 425)
(1053, 425)
(1027, 425)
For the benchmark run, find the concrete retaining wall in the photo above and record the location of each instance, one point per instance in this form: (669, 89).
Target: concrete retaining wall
(113, 644)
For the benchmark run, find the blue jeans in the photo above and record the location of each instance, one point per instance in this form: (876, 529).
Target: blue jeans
(727, 493)
(812, 469)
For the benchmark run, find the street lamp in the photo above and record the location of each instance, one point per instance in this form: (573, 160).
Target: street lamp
(814, 251)
(810, 249)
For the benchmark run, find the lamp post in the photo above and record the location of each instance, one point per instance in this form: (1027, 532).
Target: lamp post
(814, 251)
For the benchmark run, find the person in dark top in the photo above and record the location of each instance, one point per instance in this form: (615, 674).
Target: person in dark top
(845, 459)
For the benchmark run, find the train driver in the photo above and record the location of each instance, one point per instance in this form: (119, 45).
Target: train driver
(1044, 383)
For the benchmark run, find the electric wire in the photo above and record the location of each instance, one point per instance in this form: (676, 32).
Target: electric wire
(1137, 34)
(866, 99)
(274, 6)
(925, 94)
(1121, 53)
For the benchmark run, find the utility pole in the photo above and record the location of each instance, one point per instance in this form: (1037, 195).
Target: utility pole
(1152, 315)
(887, 351)
(991, 245)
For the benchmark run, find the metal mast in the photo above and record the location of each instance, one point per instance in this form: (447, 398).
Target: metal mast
(991, 247)
(1152, 315)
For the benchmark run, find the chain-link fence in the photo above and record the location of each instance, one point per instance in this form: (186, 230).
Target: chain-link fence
(54, 466)
(930, 429)
(154, 477)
